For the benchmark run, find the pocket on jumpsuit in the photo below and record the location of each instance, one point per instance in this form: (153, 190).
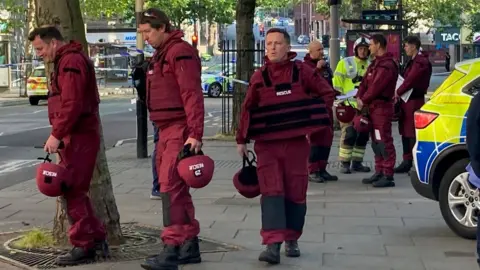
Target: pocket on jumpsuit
(270, 179)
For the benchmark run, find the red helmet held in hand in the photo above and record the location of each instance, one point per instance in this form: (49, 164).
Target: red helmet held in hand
(345, 112)
(195, 169)
(53, 180)
(362, 123)
(246, 180)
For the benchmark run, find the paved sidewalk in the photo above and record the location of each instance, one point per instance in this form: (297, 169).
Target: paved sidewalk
(349, 225)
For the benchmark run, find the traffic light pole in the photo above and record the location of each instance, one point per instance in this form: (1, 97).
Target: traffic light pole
(141, 108)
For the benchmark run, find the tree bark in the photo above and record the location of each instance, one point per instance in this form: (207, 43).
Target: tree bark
(67, 16)
(212, 33)
(245, 12)
(357, 12)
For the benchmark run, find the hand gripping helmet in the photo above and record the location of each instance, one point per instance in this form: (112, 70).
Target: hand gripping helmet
(362, 123)
(246, 180)
(363, 41)
(53, 180)
(195, 169)
(345, 112)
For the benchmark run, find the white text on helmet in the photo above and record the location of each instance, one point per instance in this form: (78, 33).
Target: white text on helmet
(284, 93)
(49, 173)
(196, 166)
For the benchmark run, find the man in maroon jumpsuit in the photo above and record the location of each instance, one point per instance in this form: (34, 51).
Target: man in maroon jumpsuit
(417, 75)
(73, 113)
(376, 93)
(285, 101)
(175, 103)
(320, 142)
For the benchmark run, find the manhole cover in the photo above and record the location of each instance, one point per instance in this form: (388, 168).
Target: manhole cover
(141, 241)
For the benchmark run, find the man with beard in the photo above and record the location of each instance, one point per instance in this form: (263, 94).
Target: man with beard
(175, 103)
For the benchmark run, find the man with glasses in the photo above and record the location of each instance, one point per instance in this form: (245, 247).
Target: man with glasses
(176, 106)
(321, 142)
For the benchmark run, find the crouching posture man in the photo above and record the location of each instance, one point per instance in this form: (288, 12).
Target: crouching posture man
(73, 113)
(175, 103)
(284, 103)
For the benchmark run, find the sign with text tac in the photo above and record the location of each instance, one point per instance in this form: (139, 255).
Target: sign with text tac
(450, 35)
(390, 3)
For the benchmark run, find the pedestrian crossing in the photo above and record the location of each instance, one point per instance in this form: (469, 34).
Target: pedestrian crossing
(9, 166)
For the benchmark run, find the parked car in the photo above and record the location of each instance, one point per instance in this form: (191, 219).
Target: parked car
(303, 39)
(37, 86)
(440, 153)
(214, 81)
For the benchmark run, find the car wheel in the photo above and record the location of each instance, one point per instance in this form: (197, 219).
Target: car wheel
(33, 101)
(459, 200)
(215, 90)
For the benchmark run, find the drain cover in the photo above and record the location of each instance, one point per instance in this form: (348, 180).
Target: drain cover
(141, 241)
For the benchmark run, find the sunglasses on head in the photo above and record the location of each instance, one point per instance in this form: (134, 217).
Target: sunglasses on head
(149, 14)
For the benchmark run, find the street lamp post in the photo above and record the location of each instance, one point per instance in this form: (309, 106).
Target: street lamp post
(334, 33)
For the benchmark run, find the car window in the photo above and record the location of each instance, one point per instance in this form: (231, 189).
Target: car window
(213, 69)
(472, 88)
(40, 72)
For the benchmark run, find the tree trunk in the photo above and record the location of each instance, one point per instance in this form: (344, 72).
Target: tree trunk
(357, 12)
(28, 45)
(68, 18)
(245, 11)
(212, 33)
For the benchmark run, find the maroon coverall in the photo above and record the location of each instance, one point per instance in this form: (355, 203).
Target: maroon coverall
(281, 164)
(175, 103)
(73, 113)
(417, 77)
(377, 91)
(320, 142)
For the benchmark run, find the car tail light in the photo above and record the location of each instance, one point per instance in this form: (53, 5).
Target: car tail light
(423, 119)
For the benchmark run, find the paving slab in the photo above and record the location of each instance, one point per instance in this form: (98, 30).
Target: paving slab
(348, 225)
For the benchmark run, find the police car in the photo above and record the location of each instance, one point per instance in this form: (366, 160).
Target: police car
(37, 86)
(440, 152)
(215, 79)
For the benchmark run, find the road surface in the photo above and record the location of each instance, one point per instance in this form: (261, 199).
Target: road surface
(23, 127)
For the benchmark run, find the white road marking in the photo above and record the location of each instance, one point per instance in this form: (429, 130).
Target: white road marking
(19, 164)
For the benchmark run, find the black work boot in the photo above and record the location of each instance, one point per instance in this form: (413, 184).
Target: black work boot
(166, 260)
(374, 178)
(315, 177)
(404, 167)
(271, 254)
(292, 249)
(327, 176)
(385, 181)
(345, 167)
(357, 166)
(190, 252)
(77, 256)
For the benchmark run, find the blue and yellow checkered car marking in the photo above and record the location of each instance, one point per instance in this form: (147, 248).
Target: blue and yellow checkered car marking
(451, 105)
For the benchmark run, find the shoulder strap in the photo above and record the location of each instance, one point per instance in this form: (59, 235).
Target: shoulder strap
(57, 65)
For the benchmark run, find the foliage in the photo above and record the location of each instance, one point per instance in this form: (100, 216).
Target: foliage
(36, 238)
(13, 7)
(105, 8)
(220, 11)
